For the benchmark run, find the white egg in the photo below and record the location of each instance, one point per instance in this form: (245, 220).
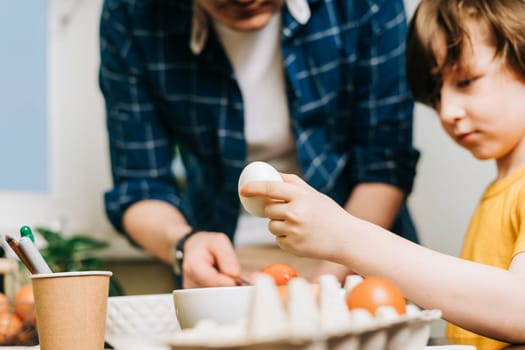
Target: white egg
(257, 171)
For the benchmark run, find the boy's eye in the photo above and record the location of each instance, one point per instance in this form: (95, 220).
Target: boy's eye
(464, 83)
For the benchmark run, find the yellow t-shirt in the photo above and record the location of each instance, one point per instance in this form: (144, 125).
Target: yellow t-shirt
(496, 234)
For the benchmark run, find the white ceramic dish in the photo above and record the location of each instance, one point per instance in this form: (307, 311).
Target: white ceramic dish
(220, 304)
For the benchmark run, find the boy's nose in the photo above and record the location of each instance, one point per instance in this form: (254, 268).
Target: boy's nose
(450, 107)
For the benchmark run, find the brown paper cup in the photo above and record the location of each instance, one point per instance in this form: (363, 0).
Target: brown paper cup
(71, 309)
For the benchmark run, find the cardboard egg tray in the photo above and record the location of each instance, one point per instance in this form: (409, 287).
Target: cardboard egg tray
(310, 323)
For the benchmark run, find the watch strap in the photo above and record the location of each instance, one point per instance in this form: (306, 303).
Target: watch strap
(178, 251)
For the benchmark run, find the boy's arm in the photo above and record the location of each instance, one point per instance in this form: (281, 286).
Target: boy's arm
(478, 297)
(481, 298)
(375, 202)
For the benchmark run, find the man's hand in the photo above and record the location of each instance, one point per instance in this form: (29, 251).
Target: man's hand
(209, 261)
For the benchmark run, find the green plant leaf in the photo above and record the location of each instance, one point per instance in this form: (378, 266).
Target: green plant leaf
(115, 288)
(85, 244)
(51, 237)
(75, 253)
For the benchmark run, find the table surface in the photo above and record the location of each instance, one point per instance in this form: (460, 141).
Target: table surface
(449, 341)
(434, 343)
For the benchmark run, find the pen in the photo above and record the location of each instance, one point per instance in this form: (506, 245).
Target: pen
(25, 231)
(33, 255)
(14, 246)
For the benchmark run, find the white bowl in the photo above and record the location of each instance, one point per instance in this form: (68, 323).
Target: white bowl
(220, 304)
(139, 319)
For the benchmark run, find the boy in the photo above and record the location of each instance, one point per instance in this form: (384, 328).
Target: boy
(466, 59)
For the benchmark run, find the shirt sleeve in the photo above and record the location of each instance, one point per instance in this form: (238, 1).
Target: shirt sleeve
(141, 149)
(383, 150)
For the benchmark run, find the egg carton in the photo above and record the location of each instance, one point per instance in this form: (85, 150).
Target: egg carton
(310, 323)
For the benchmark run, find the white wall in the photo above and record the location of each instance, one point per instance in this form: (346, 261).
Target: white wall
(448, 185)
(78, 146)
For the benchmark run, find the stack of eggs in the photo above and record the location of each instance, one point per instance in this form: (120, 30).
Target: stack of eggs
(312, 319)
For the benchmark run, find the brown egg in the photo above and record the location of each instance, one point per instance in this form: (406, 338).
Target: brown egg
(24, 304)
(280, 272)
(10, 325)
(375, 292)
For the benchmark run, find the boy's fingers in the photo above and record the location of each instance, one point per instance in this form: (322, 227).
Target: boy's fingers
(277, 228)
(292, 178)
(272, 189)
(296, 181)
(276, 210)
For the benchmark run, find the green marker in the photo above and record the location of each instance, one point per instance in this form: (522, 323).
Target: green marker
(25, 231)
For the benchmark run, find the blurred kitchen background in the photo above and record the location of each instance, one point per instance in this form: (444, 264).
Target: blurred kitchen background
(54, 154)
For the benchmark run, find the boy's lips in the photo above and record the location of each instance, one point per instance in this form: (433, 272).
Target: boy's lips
(465, 137)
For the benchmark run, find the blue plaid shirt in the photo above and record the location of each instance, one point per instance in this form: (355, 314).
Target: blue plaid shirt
(351, 112)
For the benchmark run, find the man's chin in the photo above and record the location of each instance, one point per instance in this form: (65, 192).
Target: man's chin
(250, 24)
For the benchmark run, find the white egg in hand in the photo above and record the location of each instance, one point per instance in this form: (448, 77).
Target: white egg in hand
(257, 171)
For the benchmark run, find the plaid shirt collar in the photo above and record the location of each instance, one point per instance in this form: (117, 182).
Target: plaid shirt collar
(299, 10)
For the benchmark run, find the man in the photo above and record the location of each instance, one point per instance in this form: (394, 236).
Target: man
(315, 88)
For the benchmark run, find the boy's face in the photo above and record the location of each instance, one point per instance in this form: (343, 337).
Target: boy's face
(481, 104)
(242, 15)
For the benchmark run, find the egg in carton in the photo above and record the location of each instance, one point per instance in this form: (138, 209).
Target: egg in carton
(310, 322)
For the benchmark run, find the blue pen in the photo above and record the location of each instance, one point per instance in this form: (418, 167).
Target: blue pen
(25, 231)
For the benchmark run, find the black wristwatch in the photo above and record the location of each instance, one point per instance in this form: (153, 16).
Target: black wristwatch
(178, 252)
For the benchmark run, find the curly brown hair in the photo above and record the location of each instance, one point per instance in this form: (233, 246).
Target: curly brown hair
(446, 20)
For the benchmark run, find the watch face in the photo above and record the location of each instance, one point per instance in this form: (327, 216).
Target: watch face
(178, 252)
(177, 261)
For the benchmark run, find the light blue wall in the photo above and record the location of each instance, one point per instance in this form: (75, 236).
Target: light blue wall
(24, 160)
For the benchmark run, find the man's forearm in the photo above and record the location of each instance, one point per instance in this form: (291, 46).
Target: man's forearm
(378, 203)
(155, 225)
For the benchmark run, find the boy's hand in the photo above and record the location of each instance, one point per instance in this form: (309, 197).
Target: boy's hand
(305, 221)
